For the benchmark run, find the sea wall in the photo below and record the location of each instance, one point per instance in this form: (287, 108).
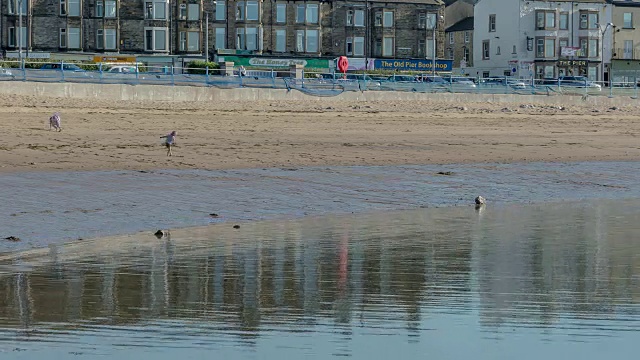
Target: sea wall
(122, 92)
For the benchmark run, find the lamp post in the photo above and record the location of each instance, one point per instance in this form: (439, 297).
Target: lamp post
(432, 23)
(602, 33)
(20, 31)
(206, 36)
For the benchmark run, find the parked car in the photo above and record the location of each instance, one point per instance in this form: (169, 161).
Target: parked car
(6, 73)
(572, 81)
(504, 81)
(71, 68)
(460, 82)
(124, 69)
(579, 81)
(402, 78)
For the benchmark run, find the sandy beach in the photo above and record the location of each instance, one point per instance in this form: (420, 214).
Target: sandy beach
(126, 135)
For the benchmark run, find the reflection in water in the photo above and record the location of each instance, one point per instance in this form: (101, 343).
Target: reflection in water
(543, 277)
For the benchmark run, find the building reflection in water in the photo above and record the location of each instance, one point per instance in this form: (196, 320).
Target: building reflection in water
(520, 265)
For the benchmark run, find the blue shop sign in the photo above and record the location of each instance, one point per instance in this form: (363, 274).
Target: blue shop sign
(415, 65)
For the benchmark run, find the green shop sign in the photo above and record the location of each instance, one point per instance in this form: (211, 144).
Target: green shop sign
(264, 62)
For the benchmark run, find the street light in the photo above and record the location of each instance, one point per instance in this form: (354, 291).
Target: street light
(432, 24)
(602, 33)
(20, 31)
(206, 35)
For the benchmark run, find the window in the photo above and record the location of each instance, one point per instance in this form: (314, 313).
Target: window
(110, 8)
(194, 12)
(545, 20)
(378, 18)
(589, 47)
(190, 41)
(498, 50)
(359, 17)
(628, 21)
(465, 55)
(422, 20)
(307, 13)
(588, 20)
(247, 10)
(14, 41)
(221, 38)
(387, 20)
(430, 48)
(514, 51)
(307, 41)
(377, 50)
(563, 43)
(221, 10)
(312, 14)
(252, 10)
(349, 45)
(155, 39)
(63, 11)
(99, 39)
(628, 49)
(193, 41)
(545, 47)
(110, 39)
(63, 38)
(240, 10)
(183, 41)
(74, 9)
(485, 50)
(451, 38)
(450, 54)
(564, 21)
(422, 44)
(358, 46)
(485, 74)
(388, 48)
(312, 41)
(593, 47)
(247, 38)
(15, 5)
(252, 38)
(73, 38)
(281, 13)
(156, 10)
(549, 48)
(281, 40)
(182, 15)
(467, 36)
(99, 10)
(492, 23)
(349, 17)
(540, 47)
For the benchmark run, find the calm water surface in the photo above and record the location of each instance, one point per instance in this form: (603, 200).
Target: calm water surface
(546, 281)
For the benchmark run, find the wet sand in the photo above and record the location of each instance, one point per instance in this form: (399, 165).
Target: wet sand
(102, 135)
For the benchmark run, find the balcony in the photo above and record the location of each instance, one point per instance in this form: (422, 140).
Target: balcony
(626, 54)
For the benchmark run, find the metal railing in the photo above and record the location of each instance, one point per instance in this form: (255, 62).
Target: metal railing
(312, 82)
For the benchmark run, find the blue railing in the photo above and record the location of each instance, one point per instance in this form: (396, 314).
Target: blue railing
(313, 83)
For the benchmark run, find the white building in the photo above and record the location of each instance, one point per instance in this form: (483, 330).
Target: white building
(542, 39)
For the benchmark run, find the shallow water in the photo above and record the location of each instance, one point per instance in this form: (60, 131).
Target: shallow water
(510, 281)
(46, 208)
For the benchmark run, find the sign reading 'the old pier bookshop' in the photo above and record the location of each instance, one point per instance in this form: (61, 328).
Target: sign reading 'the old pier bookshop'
(413, 64)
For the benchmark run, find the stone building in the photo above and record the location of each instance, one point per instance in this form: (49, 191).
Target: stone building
(625, 63)
(459, 43)
(260, 28)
